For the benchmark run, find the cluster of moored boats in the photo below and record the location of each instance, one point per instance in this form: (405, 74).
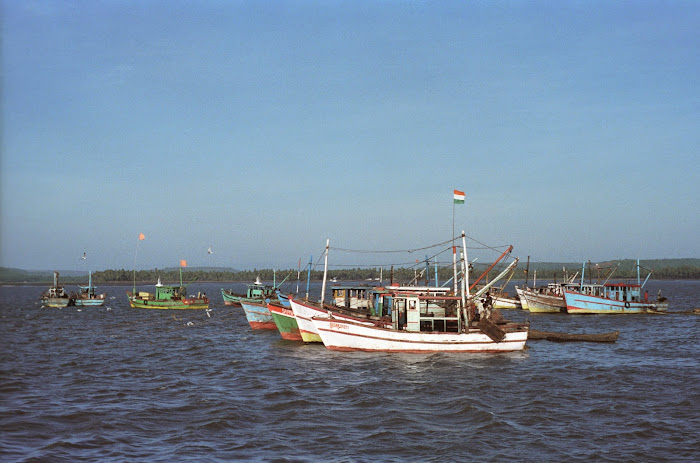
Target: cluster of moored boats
(587, 298)
(57, 296)
(394, 318)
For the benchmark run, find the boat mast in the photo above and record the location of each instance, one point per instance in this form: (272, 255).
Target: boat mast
(308, 276)
(325, 273)
(465, 269)
(436, 274)
(454, 266)
(527, 270)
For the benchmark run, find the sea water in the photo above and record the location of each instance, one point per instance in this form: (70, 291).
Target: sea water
(113, 383)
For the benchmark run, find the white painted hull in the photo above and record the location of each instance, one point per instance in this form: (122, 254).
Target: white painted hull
(304, 312)
(544, 303)
(523, 301)
(345, 335)
(506, 303)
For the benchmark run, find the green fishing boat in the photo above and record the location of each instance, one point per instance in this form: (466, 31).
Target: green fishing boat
(167, 297)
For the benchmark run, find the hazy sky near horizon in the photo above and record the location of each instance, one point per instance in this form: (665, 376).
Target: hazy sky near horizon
(262, 128)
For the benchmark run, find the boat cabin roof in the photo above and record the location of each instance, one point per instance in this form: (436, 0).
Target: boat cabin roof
(432, 297)
(628, 285)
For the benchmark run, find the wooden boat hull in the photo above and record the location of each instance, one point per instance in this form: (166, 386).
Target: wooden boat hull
(230, 298)
(176, 304)
(577, 303)
(91, 302)
(258, 315)
(544, 303)
(90, 298)
(285, 321)
(573, 337)
(506, 303)
(56, 302)
(305, 311)
(523, 301)
(346, 335)
(303, 314)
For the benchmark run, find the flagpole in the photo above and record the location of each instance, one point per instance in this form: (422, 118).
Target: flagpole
(141, 238)
(453, 222)
(135, 254)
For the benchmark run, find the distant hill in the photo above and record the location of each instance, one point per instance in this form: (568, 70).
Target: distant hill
(688, 268)
(16, 275)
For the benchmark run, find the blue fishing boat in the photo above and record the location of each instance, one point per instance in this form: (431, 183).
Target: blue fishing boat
(612, 298)
(87, 295)
(258, 314)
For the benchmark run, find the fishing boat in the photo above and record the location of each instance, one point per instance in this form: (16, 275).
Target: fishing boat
(521, 297)
(87, 295)
(419, 322)
(504, 301)
(258, 315)
(56, 295)
(546, 299)
(255, 291)
(284, 319)
(612, 298)
(304, 310)
(167, 297)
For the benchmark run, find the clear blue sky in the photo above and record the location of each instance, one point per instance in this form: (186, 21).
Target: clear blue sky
(261, 128)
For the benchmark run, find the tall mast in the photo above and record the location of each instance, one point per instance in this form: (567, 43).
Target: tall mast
(308, 277)
(325, 273)
(454, 266)
(465, 278)
(527, 271)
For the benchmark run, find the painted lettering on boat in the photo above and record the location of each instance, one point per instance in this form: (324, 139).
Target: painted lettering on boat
(339, 326)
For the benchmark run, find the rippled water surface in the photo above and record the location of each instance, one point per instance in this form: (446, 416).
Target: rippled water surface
(118, 384)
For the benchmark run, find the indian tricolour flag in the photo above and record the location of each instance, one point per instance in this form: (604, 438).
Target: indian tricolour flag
(459, 197)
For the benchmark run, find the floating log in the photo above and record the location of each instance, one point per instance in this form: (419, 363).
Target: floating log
(569, 337)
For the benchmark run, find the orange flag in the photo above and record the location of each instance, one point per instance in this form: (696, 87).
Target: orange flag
(183, 263)
(142, 236)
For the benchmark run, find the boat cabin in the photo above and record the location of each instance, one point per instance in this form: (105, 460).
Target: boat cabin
(353, 297)
(259, 291)
(615, 291)
(623, 292)
(166, 292)
(416, 312)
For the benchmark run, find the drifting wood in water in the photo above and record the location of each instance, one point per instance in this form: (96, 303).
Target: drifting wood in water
(567, 337)
(684, 312)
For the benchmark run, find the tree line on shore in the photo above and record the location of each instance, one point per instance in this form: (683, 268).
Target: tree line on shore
(673, 269)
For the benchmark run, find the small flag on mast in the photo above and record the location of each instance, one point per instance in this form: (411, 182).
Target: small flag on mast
(142, 237)
(183, 263)
(459, 197)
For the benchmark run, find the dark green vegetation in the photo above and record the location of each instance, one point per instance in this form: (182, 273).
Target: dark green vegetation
(671, 269)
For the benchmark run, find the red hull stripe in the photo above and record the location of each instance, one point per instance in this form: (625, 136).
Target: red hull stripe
(263, 325)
